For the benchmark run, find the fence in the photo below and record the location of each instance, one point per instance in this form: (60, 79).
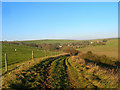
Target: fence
(32, 56)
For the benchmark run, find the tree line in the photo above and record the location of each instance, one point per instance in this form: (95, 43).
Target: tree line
(50, 47)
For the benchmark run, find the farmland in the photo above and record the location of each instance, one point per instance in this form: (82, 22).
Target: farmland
(23, 53)
(61, 72)
(59, 45)
(110, 49)
(42, 76)
(91, 67)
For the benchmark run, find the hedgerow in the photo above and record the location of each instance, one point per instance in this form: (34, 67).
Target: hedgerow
(98, 59)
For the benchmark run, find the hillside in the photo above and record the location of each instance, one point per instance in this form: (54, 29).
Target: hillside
(50, 41)
(110, 49)
(57, 69)
(22, 53)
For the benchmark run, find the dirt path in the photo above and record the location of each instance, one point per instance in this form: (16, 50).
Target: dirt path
(29, 63)
(77, 79)
(35, 77)
(58, 75)
(72, 82)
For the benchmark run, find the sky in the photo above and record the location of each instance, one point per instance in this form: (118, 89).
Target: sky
(60, 0)
(59, 20)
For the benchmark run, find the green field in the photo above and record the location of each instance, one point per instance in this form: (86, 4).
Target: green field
(22, 53)
(58, 69)
(110, 49)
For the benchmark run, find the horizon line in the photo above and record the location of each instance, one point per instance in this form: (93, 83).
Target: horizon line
(60, 39)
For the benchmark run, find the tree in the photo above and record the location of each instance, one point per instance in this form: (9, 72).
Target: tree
(70, 50)
(105, 40)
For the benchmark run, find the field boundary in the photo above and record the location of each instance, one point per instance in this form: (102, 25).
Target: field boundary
(28, 62)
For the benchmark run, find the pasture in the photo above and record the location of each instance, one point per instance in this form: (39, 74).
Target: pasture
(110, 49)
(55, 69)
(22, 53)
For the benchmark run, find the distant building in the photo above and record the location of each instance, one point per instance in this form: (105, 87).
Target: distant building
(98, 41)
(60, 46)
(92, 42)
(77, 46)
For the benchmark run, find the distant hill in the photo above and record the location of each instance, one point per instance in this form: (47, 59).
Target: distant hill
(50, 41)
(61, 41)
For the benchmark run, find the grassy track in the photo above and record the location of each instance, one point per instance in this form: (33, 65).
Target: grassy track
(35, 77)
(61, 72)
(79, 80)
(58, 74)
(90, 75)
(40, 75)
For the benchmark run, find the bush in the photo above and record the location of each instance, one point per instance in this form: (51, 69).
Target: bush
(72, 51)
(89, 52)
(51, 47)
(105, 40)
(99, 59)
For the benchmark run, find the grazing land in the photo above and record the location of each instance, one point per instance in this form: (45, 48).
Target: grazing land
(23, 53)
(60, 46)
(110, 49)
(76, 64)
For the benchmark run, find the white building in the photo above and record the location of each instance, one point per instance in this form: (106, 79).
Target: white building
(60, 46)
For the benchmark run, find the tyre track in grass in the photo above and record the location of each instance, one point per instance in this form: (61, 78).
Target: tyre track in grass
(47, 74)
(71, 80)
(58, 74)
(73, 77)
(36, 77)
(77, 79)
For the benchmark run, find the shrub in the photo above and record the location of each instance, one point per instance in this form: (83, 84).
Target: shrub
(70, 50)
(99, 59)
(105, 40)
(89, 52)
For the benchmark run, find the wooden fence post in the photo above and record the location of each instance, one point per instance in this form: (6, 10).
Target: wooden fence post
(32, 55)
(6, 68)
(45, 52)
